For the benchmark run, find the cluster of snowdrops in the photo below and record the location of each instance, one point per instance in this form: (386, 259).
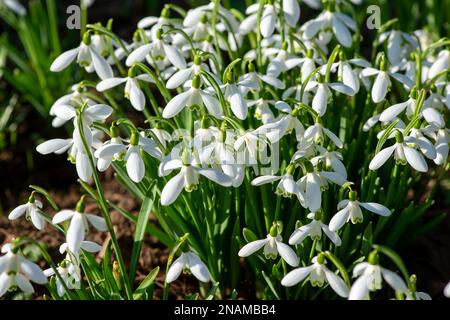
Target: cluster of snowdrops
(238, 102)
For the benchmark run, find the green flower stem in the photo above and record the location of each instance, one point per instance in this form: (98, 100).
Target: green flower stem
(104, 208)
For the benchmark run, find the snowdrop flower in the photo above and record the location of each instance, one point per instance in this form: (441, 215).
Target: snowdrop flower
(312, 183)
(318, 274)
(154, 23)
(370, 276)
(350, 210)
(397, 43)
(412, 293)
(273, 246)
(133, 91)
(188, 177)
(340, 24)
(442, 63)
(347, 75)
(331, 159)
(235, 97)
(191, 262)
(262, 109)
(268, 20)
(383, 80)
(323, 93)
(183, 75)
(314, 230)
(193, 97)
(404, 152)
(79, 224)
(133, 158)
(282, 62)
(317, 133)
(251, 79)
(393, 111)
(159, 49)
(32, 211)
(15, 6)
(442, 140)
(15, 270)
(70, 275)
(286, 187)
(287, 122)
(87, 56)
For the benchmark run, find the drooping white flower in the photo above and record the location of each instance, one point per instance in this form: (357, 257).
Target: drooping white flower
(314, 230)
(283, 61)
(350, 210)
(273, 246)
(133, 91)
(188, 177)
(323, 93)
(87, 57)
(404, 152)
(442, 63)
(16, 270)
(130, 153)
(79, 225)
(318, 274)
(331, 160)
(370, 276)
(159, 49)
(383, 81)
(32, 211)
(399, 44)
(317, 133)
(188, 261)
(340, 24)
(70, 275)
(286, 187)
(193, 97)
(284, 124)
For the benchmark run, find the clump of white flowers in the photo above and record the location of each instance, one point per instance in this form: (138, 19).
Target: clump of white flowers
(233, 104)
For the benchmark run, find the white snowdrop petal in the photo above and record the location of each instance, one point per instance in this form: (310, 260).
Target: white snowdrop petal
(18, 212)
(64, 111)
(337, 142)
(251, 247)
(62, 215)
(403, 79)
(176, 104)
(295, 276)
(96, 221)
(98, 112)
(288, 254)
(172, 189)
(175, 269)
(237, 103)
(393, 111)
(332, 235)
(300, 234)
(32, 271)
(341, 32)
(198, 268)
(212, 104)
(5, 283)
(91, 246)
(446, 290)
(359, 289)
(394, 280)
(432, 116)
(415, 159)
(376, 208)
(53, 145)
(339, 219)
(109, 83)
(336, 283)
(75, 233)
(342, 88)
(37, 220)
(264, 179)
(291, 10)
(174, 56)
(137, 97)
(138, 55)
(109, 150)
(83, 166)
(179, 78)
(268, 21)
(380, 87)
(216, 176)
(64, 60)
(23, 284)
(319, 103)
(101, 66)
(381, 157)
(135, 165)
